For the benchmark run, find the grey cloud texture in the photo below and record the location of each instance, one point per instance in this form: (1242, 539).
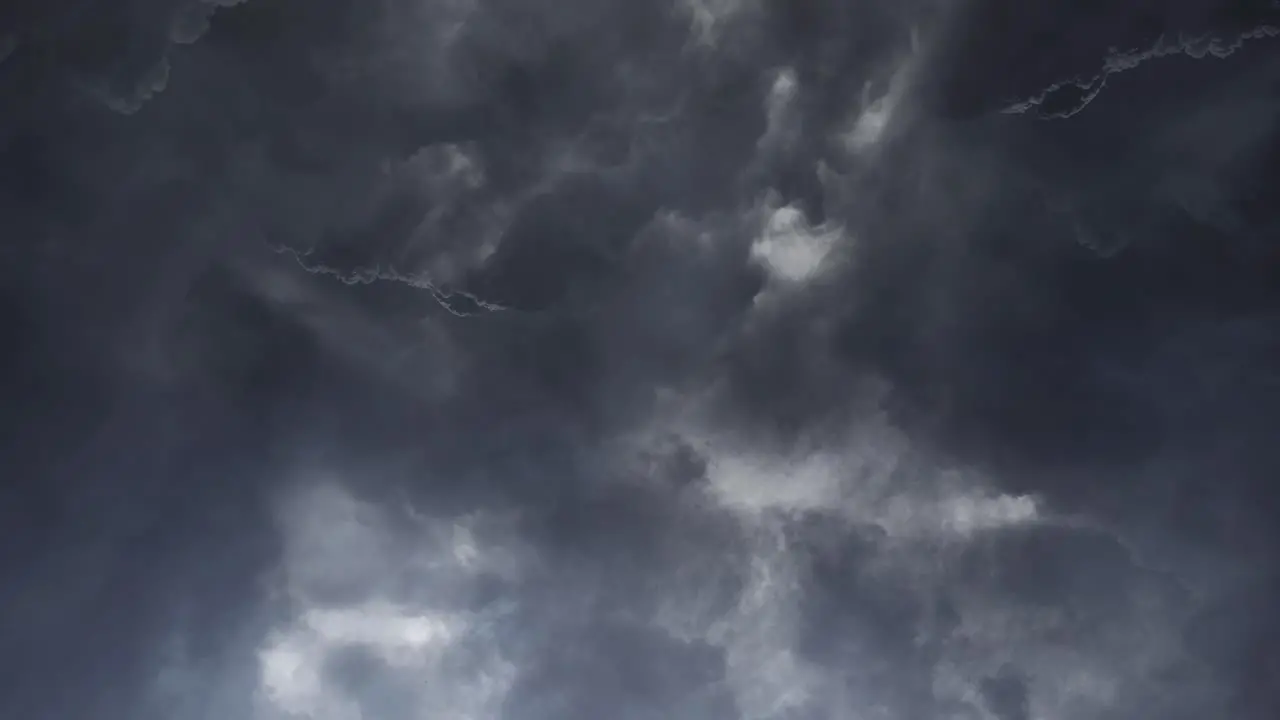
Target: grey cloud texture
(700, 359)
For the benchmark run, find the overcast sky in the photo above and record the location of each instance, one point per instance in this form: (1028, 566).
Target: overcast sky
(639, 359)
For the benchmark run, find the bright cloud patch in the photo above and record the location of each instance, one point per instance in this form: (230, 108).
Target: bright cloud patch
(871, 122)
(782, 129)
(877, 111)
(376, 628)
(350, 663)
(768, 677)
(790, 249)
(870, 480)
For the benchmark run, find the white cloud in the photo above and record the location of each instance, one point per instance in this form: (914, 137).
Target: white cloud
(868, 476)
(359, 578)
(768, 677)
(792, 250)
(759, 484)
(877, 113)
(407, 646)
(782, 129)
(930, 531)
(872, 120)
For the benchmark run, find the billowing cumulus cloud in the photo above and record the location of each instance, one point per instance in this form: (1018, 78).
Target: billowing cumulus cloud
(701, 359)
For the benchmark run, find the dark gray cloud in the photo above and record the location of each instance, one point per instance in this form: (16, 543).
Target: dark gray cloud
(702, 359)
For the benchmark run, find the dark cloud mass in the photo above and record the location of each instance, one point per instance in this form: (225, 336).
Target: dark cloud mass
(639, 359)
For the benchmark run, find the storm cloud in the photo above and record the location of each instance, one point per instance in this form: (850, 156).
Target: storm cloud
(741, 359)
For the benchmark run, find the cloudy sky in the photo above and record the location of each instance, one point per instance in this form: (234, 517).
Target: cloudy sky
(639, 359)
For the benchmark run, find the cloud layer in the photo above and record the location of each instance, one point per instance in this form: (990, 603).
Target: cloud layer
(701, 359)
